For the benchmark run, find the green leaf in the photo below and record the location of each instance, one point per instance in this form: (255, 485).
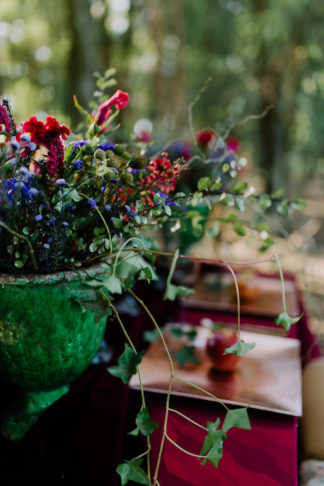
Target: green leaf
(239, 203)
(19, 263)
(93, 247)
(240, 348)
(277, 194)
(174, 292)
(238, 418)
(298, 204)
(214, 230)
(203, 183)
(240, 187)
(286, 321)
(113, 285)
(131, 471)
(239, 228)
(144, 424)
(265, 201)
(186, 355)
(127, 364)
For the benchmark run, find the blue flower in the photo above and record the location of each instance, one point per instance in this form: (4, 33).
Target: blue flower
(127, 208)
(14, 145)
(79, 144)
(65, 223)
(50, 240)
(25, 137)
(92, 203)
(38, 217)
(78, 164)
(133, 214)
(60, 182)
(69, 207)
(46, 245)
(50, 221)
(12, 161)
(107, 207)
(32, 146)
(107, 146)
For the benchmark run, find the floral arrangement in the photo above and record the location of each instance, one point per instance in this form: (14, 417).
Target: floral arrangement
(67, 202)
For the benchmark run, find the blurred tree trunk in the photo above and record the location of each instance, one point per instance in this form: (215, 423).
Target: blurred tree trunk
(90, 52)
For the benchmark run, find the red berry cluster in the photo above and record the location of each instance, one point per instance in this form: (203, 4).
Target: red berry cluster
(163, 174)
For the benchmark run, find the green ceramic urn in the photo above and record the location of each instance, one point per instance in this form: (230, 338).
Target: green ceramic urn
(51, 327)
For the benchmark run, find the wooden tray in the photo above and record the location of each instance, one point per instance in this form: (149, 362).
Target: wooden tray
(216, 292)
(268, 377)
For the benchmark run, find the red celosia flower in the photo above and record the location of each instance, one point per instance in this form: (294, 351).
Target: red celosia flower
(49, 134)
(119, 99)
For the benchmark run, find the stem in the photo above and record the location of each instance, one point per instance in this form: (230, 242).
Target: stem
(140, 301)
(173, 266)
(104, 222)
(188, 258)
(237, 298)
(201, 390)
(139, 376)
(187, 418)
(31, 251)
(198, 456)
(283, 293)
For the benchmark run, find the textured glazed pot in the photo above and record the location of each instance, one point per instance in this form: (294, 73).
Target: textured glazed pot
(51, 327)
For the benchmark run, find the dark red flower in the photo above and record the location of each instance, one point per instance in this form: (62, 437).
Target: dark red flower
(119, 99)
(206, 138)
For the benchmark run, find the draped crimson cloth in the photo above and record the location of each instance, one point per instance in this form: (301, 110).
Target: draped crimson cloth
(81, 439)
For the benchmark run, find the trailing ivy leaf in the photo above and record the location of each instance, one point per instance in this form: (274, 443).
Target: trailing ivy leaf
(186, 355)
(131, 471)
(228, 200)
(298, 204)
(213, 444)
(144, 424)
(203, 183)
(240, 348)
(113, 285)
(127, 364)
(239, 228)
(177, 332)
(174, 292)
(286, 321)
(151, 336)
(238, 418)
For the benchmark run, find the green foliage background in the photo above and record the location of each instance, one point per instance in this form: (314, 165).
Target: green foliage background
(257, 52)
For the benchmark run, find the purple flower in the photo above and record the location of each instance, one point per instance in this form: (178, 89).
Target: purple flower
(14, 145)
(50, 240)
(107, 146)
(92, 203)
(78, 164)
(107, 207)
(69, 207)
(65, 223)
(60, 182)
(133, 214)
(46, 245)
(38, 217)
